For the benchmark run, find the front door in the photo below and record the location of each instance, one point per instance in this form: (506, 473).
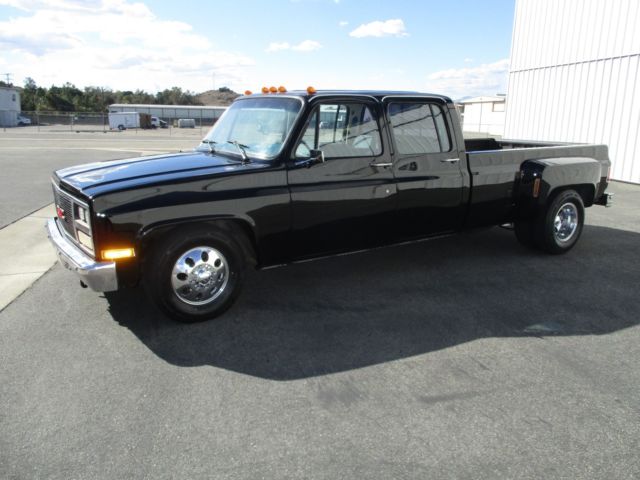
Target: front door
(347, 201)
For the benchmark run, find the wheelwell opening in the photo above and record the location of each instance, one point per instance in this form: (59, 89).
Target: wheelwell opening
(586, 191)
(241, 230)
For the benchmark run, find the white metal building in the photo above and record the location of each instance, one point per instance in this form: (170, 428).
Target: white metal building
(202, 114)
(9, 106)
(574, 76)
(483, 115)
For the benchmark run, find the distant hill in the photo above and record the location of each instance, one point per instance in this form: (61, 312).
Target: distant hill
(221, 97)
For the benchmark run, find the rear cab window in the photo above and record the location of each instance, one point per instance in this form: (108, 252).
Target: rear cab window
(418, 128)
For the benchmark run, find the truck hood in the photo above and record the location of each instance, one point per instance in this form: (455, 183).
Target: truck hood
(96, 179)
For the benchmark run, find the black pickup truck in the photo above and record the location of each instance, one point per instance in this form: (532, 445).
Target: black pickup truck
(289, 176)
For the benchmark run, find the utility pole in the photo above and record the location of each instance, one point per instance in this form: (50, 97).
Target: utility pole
(8, 77)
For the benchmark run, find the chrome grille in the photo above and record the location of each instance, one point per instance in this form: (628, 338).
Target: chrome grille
(64, 202)
(68, 206)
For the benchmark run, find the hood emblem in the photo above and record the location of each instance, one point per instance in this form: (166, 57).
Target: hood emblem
(60, 212)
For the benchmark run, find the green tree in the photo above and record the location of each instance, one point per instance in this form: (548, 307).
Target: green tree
(175, 96)
(29, 96)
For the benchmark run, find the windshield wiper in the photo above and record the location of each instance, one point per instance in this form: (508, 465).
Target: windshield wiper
(243, 150)
(211, 143)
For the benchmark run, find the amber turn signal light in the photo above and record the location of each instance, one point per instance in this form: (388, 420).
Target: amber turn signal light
(536, 188)
(118, 253)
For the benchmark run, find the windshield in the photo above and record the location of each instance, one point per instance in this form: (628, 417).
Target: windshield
(260, 125)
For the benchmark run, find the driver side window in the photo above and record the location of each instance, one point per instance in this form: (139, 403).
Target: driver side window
(341, 131)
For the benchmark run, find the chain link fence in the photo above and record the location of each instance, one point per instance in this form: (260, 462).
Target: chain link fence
(98, 122)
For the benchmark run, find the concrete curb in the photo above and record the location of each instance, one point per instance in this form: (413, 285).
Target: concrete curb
(26, 254)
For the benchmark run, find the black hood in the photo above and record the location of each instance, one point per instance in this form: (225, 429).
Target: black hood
(95, 179)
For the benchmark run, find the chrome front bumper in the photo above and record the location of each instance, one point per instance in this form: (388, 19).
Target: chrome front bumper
(98, 276)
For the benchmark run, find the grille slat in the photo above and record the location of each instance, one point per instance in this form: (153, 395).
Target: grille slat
(66, 204)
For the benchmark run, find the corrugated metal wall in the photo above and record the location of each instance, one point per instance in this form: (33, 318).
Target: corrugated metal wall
(574, 76)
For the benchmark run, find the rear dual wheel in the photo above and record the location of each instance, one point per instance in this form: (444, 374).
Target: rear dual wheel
(557, 228)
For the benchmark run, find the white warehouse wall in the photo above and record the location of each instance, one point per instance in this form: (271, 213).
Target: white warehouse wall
(484, 115)
(574, 77)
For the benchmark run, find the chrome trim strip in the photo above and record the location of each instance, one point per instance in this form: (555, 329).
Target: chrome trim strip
(364, 250)
(99, 276)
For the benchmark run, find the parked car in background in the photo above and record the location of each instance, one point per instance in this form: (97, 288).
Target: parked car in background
(157, 123)
(23, 121)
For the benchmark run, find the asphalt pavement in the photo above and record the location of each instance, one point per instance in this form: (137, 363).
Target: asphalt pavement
(462, 357)
(28, 157)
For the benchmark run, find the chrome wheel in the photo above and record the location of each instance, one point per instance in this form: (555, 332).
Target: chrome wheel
(200, 275)
(566, 222)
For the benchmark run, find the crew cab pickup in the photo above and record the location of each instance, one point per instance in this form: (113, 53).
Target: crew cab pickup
(289, 176)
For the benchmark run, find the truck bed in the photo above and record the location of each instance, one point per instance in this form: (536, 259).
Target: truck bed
(494, 167)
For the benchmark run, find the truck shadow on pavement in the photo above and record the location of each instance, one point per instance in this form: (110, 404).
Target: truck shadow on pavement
(350, 312)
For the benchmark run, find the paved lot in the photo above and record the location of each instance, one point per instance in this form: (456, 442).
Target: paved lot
(464, 357)
(28, 157)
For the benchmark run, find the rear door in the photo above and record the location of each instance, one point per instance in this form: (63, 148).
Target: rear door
(347, 202)
(427, 167)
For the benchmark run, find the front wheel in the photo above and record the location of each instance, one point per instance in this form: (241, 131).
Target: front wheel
(194, 276)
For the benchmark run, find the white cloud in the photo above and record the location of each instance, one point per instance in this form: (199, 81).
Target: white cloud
(114, 43)
(487, 79)
(304, 46)
(307, 46)
(389, 28)
(468, 60)
(343, 23)
(278, 46)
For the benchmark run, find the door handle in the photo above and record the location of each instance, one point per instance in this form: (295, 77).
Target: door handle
(382, 164)
(450, 160)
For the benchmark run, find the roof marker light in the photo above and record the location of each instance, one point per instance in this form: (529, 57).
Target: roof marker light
(273, 90)
(248, 92)
(265, 89)
(311, 90)
(281, 89)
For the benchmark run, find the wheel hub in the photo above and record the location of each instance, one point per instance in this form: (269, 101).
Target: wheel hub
(200, 275)
(565, 223)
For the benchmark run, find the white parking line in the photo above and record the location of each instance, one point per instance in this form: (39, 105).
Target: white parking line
(26, 254)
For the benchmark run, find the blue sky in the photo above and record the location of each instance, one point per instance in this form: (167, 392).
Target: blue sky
(458, 48)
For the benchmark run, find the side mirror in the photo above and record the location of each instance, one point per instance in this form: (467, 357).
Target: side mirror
(317, 156)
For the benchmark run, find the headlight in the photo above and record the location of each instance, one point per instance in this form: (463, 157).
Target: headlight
(82, 216)
(83, 226)
(85, 240)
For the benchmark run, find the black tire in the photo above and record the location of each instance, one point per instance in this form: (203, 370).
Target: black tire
(121, 127)
(566, 206)
(524, 233)
(161, 267)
